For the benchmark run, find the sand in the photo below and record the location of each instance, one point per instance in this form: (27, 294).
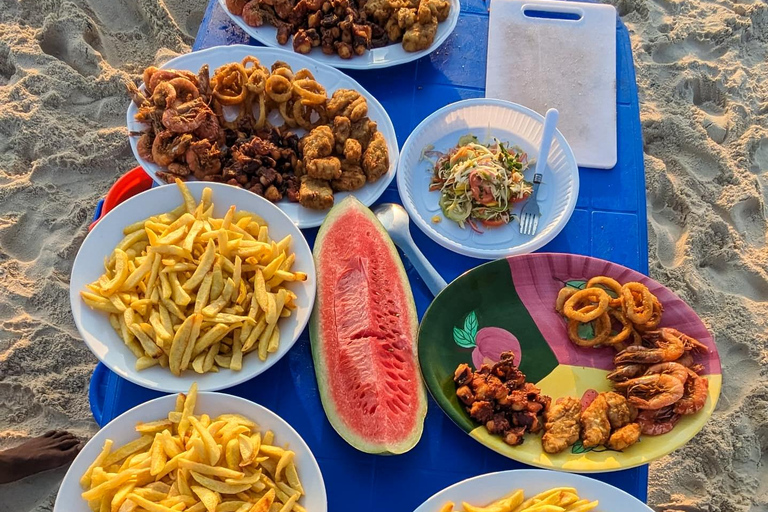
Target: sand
(702, 69)
(703, 80)
(62, 144)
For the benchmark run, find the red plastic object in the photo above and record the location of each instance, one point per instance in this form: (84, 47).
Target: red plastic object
(128, 185)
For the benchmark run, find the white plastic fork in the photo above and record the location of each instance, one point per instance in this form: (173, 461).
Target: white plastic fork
(529, 216)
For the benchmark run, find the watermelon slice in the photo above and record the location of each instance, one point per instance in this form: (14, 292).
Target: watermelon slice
(363, 331)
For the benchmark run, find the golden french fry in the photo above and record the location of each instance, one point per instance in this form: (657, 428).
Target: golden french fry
(265, 502)
(448, 507)
(205, 264)
(217, 285)
(180, 343)
(218, 485)
(204, 292)
(188, 410)
(179, 294)
(121, 273)
(153, 427)
(85, 480)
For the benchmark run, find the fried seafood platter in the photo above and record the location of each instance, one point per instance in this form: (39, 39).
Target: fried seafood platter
(569, 362)
(354, 34)
(298, 133)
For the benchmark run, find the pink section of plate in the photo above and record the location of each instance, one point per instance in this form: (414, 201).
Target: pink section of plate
(539, 277)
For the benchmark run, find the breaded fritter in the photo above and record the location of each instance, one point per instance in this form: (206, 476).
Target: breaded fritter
(315, 194)
(562, 425)
(376, 158)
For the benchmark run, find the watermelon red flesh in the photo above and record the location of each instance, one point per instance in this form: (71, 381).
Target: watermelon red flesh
(363, 333)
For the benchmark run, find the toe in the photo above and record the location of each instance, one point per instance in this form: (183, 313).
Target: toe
(50, 433)
(68, 443)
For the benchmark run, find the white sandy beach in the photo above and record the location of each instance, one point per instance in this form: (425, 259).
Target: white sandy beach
(702, 69)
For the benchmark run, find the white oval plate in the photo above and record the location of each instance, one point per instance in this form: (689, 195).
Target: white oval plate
(486, 119)
(383, 57)
(104, 342)
(121, 430)
(330, 78)
(482, 490)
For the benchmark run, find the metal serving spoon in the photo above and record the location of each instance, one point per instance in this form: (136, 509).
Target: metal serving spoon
(395, 220)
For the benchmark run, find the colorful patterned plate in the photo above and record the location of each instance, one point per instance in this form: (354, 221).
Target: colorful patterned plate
(508, 304)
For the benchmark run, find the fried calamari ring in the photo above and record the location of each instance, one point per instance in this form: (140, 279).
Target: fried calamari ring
(284, 113)
(563, 295)
(601, 325)
(610, 284)
(303, 73)
(257, 122)
(285, 72)
(655, 319)
(229, 84)
(311, 92)
(257, 81)
(302, 114)
(256, 64)
(637, 313)
(574, 308)
(279, 88)
(626, 327)
(279, 64)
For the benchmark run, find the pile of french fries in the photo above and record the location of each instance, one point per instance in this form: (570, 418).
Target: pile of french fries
(558, 499)
(184, 288)
(194, 463)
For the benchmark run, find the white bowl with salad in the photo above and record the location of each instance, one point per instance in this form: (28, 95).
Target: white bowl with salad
(466, 171)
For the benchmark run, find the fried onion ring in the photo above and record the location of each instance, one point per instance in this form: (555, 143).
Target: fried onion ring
(563, 295)
(257, 122)
(229, 84)
(311, 92)
(250, 59)
(610, 284)
(289, 120)
(279, 88)
(257, 81)
(302, 114)
(655, 319)
(601, 325)
(303, 74)
(626, 328)
(590, 296)
(637, 313)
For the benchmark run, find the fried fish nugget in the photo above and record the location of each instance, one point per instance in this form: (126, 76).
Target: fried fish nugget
(352, 178)
(562, 425)
(376, 158)
(328, 168)
(315, 194)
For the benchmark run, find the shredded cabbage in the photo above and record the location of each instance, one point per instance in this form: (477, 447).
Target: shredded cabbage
(479, 182)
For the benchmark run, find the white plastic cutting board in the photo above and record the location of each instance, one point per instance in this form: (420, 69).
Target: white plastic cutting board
(568, 64)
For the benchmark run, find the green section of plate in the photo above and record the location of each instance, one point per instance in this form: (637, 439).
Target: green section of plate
(488, 292)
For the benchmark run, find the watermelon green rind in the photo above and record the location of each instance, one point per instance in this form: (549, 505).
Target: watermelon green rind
(321, 370)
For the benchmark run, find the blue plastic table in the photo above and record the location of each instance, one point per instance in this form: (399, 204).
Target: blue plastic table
(609, 222)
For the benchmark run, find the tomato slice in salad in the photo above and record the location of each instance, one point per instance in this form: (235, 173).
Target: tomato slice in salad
(481, 190)
(493, 223)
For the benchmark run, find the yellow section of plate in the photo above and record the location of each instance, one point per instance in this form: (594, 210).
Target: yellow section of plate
(574, 381)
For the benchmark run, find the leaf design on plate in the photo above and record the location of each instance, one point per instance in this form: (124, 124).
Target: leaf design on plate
(586, 331)
(462, 339)
(579, 284)
(470, 325)
(578, 448)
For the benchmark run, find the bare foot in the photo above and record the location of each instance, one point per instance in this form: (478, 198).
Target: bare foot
(49, 451)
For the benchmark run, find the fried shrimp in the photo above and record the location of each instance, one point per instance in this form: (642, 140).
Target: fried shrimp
(695, 395)
(169, 146)
(625, 372)
(652, 391)
(657, 422)
(667, 349)
(672, 368)
(186, 117)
